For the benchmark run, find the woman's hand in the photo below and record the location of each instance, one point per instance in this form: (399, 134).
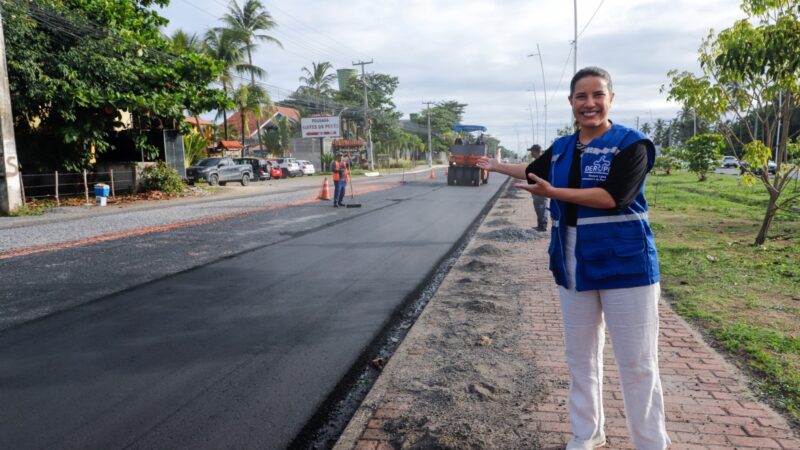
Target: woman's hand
(541, 188)
(487, 163)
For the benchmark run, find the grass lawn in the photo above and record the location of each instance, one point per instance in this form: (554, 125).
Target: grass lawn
(745, 298)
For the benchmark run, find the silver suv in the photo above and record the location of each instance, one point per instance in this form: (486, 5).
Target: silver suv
(289, 167)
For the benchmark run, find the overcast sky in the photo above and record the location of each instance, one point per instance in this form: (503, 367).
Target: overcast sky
(475, 51)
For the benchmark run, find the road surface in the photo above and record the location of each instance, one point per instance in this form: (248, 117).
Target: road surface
(226, 334)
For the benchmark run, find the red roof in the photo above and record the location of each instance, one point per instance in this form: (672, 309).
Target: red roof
(192, 121)
(235, 118)
(229, 145)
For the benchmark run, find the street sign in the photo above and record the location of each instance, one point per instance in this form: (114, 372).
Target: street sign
(317, 127)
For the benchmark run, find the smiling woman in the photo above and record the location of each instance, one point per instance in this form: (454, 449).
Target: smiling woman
(603, 257)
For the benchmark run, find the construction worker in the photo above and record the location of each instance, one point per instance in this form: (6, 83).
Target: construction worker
(540, 204)
(340, 175)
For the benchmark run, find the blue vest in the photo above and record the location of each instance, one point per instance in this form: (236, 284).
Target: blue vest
(613, 249)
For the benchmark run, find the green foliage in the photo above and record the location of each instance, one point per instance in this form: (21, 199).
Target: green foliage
(161, 177)
(750, 70)
(30, 209)
(70, 81)
(285, 132)
(793, 150)
(249, 22)
(278, 140)
(744, 297)
(195, 146)
(756, 154)
(327, 160)
(443, 116)
(383, 116)
(250, 99)
(667, 161)
(702, 153)
(566, 130)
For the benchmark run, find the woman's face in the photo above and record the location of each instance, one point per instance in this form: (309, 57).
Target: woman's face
(591, 102)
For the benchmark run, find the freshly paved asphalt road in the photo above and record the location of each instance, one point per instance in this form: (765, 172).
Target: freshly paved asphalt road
(235, 352)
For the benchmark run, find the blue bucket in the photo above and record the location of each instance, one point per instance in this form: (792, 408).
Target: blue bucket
(101, 190)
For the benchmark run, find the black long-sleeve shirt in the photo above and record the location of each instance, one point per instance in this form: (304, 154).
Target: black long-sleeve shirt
(625, 177)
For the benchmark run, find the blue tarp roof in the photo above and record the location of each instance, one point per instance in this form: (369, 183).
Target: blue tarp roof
(468, 128)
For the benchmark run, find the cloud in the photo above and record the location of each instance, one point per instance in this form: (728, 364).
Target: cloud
(475, 51)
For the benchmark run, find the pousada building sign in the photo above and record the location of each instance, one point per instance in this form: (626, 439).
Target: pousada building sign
(316, 127)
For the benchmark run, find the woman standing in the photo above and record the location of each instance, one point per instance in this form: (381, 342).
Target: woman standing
(603, 257)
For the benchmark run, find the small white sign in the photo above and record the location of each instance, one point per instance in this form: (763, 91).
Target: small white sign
(316, 127)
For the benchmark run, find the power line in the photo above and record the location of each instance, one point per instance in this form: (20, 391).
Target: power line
(591, 18)
(317, 47)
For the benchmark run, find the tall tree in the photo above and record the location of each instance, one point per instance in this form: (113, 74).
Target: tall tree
(224, 45)
(75, 67)
(444, 115)
(318, 83)
(250, 21)
(250, 100)
(382, 113)
(751, 70)
(182, 42)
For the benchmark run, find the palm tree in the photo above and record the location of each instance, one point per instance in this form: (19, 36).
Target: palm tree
(248, 21)
(224, 45)
(250, 100)
(318, 81)
(181, 42)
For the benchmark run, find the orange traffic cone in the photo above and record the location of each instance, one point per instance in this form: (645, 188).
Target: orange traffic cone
(433, 174)
(325, 193)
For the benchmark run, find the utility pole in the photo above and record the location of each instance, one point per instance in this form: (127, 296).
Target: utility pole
(544, 89)
(11, 185)
(430, 148)
(575, 41)
(533, 130)
(367, 134)
(536, 105)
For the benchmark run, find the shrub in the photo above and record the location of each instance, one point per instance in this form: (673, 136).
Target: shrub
(161, 177)
(195, 146)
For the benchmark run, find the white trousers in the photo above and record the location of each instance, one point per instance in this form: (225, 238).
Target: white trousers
(632, 318)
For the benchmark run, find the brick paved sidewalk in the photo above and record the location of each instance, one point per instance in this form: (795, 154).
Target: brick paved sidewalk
(708, 404)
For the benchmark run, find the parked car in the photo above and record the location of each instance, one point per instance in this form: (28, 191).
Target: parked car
(772, 167)
(289, 167)
(259, 165)
(306, 168)
(275, 169)
(219, 171)
(730, 161)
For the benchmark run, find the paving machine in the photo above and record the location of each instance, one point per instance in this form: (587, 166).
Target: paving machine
(464, 156)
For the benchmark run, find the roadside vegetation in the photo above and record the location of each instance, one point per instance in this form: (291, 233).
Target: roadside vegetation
(744, 297)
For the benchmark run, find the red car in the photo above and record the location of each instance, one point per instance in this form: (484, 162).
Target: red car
(274, 169)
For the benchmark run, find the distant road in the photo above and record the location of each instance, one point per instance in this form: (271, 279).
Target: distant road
(225, 334)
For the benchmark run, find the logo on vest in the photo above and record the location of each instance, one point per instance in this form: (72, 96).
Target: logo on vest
(598, 169)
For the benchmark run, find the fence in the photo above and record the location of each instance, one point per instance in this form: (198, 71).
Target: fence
(122, 179)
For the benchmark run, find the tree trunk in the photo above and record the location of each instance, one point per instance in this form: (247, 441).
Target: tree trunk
(224, 112)
(772, 208)
(250, 60)
(225, 122)
(241, 114)
(258, 133)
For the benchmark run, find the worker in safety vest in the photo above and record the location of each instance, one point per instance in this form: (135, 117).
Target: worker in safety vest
(340, 176)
